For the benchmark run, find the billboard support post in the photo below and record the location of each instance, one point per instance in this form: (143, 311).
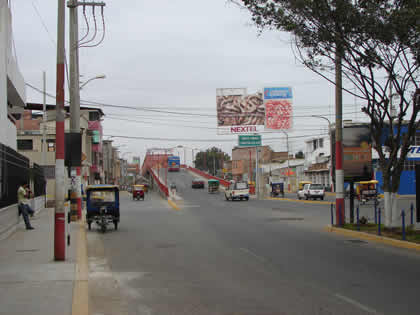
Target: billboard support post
(257, 173)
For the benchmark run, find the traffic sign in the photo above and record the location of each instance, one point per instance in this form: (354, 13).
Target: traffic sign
(249, 140)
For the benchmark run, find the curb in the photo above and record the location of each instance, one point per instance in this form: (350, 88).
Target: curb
(173, 205)
(303, 201)
(80, 303)
(373, 238)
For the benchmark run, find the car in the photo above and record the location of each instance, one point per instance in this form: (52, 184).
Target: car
(239, 191)
(314, 191)
(197, 183)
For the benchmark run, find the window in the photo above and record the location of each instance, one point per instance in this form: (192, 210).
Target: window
(94, 116)
(416, 139)
(321, 143)
(25, 144)
(315, 144)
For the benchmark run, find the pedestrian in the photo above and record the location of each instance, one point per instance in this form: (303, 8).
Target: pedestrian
(23, 204)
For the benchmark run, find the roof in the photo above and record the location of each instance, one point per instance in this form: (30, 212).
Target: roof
(38, 106)
(102, 186)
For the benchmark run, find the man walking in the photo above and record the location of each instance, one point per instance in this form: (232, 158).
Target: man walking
(23, 206)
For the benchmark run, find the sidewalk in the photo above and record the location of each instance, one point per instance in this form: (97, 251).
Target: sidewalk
(31, 282)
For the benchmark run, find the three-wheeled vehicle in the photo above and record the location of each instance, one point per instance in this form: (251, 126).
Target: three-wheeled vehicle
(277, 189)
(103, 206)
(213, 185)
(366, 190)
(138, 192)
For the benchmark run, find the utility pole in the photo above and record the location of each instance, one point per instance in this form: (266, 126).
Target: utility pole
(339, 172)
(44, 121)
(60, 174)
(76, 204)
(257, 173)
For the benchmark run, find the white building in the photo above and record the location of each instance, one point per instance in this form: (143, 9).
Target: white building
(12, 84)
(318, 160)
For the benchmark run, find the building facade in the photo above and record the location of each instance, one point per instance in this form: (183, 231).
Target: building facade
(318, 162)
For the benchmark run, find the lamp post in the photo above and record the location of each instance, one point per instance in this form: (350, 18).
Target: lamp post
(288, 160)
(101, 76)
(331, 147)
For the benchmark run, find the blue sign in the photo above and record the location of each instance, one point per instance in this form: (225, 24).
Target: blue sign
(277, 93)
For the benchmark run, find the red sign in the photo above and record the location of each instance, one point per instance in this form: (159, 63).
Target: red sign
(278, 114)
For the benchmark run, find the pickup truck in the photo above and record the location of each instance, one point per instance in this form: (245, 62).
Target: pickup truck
(238, 191)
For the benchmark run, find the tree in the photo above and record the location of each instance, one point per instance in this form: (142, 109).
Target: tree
(299, 155)
(378, 43)
(211, 160)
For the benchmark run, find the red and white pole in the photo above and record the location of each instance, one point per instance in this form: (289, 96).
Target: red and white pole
(339, 172)
(79, 192)
(60, 174)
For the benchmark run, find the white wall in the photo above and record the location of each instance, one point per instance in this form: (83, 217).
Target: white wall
(12, 84)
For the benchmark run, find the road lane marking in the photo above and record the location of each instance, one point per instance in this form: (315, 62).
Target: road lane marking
(247, 251)
(357, 304)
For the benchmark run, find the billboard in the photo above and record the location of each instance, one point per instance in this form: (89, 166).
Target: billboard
(357, 152)
(278, 108)
(239, 112)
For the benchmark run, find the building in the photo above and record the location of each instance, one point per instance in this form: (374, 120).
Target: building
(12, 84)
(408, 176)
(318, 161)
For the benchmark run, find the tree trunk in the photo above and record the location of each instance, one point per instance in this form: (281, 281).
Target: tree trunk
(390, 215)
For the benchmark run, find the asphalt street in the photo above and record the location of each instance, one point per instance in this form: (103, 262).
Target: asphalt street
(244, 257)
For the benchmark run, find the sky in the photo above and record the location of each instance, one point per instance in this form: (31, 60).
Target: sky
(172, 56)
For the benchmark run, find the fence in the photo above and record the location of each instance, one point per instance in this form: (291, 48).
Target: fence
(15, 169)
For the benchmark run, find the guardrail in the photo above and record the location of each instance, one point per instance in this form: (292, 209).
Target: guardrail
(222, 181)
(162, 187)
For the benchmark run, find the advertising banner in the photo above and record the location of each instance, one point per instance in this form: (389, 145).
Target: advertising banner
(357, 153)
(239, 112)
(278, 103)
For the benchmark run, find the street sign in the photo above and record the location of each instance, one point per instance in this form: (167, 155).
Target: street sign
(249, 140)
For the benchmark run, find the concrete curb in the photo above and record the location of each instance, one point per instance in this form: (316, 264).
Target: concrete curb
(303, 201)
(173, 205)
(373, 238)
(80, 303)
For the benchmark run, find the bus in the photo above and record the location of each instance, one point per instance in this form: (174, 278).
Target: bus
(173, 163)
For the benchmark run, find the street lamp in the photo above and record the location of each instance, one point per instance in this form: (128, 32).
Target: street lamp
(101, 76)
(288, 161)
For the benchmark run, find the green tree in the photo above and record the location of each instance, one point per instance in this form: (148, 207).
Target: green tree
(379, 45)
(211, 160)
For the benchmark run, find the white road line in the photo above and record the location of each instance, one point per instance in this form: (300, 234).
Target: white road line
(357, 304)
(247, 251)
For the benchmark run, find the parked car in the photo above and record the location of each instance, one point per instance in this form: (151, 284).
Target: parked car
(197, 183)
(314, 191)
(301, 189)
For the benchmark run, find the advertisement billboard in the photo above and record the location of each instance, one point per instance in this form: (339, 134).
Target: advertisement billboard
(278, 108)
(239, 112)
(357, 152)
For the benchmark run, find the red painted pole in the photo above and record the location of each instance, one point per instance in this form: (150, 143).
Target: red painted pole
(60, 174)
(339, 172)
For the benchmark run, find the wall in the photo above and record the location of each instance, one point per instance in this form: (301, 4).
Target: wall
(407, 183)
(12, 85)
(243, 154)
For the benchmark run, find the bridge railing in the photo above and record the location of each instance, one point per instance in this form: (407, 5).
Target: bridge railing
(222, 181)
(162, 187)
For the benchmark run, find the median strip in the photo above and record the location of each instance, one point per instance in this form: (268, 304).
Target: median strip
(173, 205)
(304, 201)
(373, 238)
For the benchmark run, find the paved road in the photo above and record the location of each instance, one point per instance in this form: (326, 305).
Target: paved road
(256, 257)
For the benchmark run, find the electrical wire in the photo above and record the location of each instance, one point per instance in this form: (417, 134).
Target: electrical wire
(103, 31)
(191, 140)
(95, 32)
(87, 25)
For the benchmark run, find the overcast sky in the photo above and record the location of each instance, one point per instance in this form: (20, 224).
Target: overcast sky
(172, 55)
